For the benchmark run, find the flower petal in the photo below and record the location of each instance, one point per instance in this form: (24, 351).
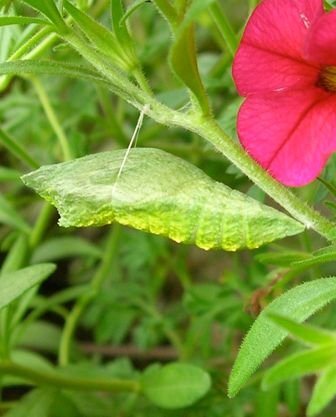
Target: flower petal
(321, 40)
(311, 9)
(270, 56)
(290, 134)
(259, 71)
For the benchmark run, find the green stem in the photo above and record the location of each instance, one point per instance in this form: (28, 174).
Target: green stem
(211, 131)
(282, 195)
(111, 118)
(52, 117)
(142, 80)
(224, 27)
(58, 299)
(41, 225)
(96, 283)
(167, 10)
(14, 148)
(55, 379)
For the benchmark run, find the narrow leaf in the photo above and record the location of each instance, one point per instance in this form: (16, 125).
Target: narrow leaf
(308, 334)
(35, 404)
(283, 258)
(17, 255)
(167, 10)
(16, 149)
(292, 396)
(194, 10)
(21, 20)
(159, 193)
(319, 257)
(14, 284)
(131, 9)
(50, 10)
(9, 174)
(300, 364)
(50, 68)
(324, 392)
(184, 63)
(65, 247)
(224, 27)
(10, 217)
(119, 25)
(176, 385)
(267, 403)
(104, 40)
(298, 304)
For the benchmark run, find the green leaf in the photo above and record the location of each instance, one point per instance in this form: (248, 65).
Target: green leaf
(167, 10)
(40, 335)
(50, 10)
(14, 284)
(16, 149)
(8, 174)
(194, 10)
(9, 216)
(308, 334)
(292, 397)
(159, 193)
(300, 364)
(35, 404)
(104, 40)
(283, 258)
(224, 27)
(21, 20)
(267, 403)
(184, 64)
(131, 9)
(17, 254)
(176, 385)
(319, 257)
(119, 25)
(298, 304)
(324, 392)
(65, 247)
(51, 68)
(24, 357)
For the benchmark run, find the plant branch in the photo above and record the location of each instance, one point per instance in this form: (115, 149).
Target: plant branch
(207, 128)
(63, 381)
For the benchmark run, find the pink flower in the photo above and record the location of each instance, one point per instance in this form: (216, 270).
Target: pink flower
(286, 69)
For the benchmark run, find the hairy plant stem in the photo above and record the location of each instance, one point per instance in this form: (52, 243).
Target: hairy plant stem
(209, 129)
(65, 381)
(84, 300)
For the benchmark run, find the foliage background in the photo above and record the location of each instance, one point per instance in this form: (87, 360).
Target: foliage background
(158, 301)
